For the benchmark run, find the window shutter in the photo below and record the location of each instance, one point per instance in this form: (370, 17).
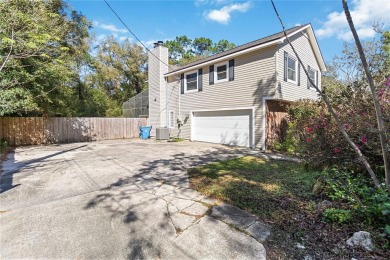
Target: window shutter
(285, 66)
(308, 77)
(317, 78)
(211, 75)
(231, 70)
(299, 73)
(182, 83)
(200, 83)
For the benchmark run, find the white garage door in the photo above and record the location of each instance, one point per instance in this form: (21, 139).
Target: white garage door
(232, 127)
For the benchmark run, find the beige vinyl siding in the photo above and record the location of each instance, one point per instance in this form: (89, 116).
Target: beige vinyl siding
(173, 101)
(254, 77)
(290, 91)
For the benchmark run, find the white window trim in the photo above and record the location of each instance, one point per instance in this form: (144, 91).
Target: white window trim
(296, 70)
(215, 72)
(315, 78)
(170, 117)
(185, 82)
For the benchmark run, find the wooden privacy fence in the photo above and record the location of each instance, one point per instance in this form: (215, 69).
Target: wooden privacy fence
(41, 130)
(276, 125)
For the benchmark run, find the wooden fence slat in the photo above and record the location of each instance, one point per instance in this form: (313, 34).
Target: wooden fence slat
(40, 130)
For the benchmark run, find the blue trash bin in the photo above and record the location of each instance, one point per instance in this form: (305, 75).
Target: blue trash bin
(144, 132)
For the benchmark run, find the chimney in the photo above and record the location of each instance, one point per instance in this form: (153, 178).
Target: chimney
(157, 67)
(157, 44)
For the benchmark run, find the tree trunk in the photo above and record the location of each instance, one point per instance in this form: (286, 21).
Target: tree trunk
(331, 110)
(378, 109)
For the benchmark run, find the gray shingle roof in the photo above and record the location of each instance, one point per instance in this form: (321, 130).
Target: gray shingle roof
(248, 45)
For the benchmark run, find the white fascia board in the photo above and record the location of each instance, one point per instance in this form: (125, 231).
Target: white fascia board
(313, 43)
(292, 34)
(317, 51)
(225, 57)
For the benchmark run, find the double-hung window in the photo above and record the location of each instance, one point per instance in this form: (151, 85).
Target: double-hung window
(221, 71)
(292, 68)
(313, 76)
(191, 81)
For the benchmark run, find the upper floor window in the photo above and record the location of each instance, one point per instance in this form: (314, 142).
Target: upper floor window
(191, 81)
(292, 65)
(313, 76)
(221, 72)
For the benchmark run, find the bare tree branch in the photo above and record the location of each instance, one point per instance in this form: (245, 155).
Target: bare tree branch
(361, 157)
(378, 109)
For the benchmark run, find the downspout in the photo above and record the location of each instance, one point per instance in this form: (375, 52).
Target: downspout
(179, 104)
(180, 122)
(166, 102)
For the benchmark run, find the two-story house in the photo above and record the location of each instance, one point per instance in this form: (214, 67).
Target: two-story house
(223, 98)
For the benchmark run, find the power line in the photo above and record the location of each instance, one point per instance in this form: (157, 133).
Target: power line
(147, 49)
(135, 36)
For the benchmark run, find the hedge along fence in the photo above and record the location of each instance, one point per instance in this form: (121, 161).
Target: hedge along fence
(41, 130)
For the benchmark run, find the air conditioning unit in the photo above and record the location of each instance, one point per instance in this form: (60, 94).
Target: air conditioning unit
(162, 133)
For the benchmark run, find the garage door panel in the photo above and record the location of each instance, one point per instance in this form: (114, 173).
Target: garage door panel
(231, 127)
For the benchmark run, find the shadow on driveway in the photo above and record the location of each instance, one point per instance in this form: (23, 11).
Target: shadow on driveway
(6, 177)
(141, 203)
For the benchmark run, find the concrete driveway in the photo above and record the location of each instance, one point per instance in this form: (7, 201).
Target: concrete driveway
(115, 199)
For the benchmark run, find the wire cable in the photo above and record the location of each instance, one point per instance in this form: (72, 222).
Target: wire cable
(135, 36)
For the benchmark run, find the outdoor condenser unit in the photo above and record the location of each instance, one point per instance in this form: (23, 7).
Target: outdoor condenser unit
(162, 133)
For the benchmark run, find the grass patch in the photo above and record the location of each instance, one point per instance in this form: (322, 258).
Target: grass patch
(265, 188)
(279, 193)
(176, 139)
(3, 147)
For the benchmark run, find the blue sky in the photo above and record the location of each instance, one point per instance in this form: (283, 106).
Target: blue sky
(234, 20)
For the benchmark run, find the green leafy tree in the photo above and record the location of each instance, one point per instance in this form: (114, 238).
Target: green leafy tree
(222, 45)
(39, 47)
(120, 69)
(183, 50)
(202, 45)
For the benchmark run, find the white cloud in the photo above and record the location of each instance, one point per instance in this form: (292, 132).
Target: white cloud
(149, 44)
(201, 2)
(124, 38)
(220, 2)
(223, 15)
(212, 2)
(364, 13)
(109, 27)
(101, 37)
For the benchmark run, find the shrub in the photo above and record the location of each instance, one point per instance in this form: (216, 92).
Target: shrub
(319, 140)
(290, 144)
(353, 190)
(337, 215)
(3, 146)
